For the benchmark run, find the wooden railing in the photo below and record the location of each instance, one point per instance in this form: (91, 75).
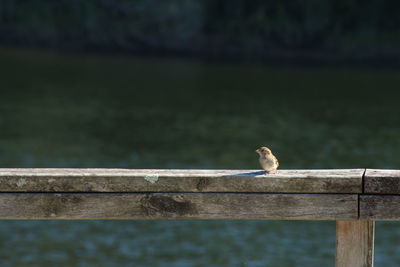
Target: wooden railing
(354, 198)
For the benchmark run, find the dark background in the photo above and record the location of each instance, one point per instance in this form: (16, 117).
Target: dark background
(279, 30)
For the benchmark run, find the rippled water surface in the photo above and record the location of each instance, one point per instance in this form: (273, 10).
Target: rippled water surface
(103, 111)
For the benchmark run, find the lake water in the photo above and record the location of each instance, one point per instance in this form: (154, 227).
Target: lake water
(126, 112)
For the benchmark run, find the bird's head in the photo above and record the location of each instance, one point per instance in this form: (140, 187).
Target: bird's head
(263, 151)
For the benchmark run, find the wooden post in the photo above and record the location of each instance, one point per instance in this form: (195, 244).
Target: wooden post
(355, 243)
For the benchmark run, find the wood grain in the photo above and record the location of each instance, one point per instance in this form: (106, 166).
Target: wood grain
(355, 243)
(382, 181)
(177, 206)
(135, 180)
(380, 207)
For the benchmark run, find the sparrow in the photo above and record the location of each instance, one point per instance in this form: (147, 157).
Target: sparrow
(267, 160)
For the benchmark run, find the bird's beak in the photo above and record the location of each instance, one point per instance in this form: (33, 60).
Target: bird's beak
(257, 151)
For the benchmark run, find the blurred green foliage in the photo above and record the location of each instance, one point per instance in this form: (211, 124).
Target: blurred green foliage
(232, 28)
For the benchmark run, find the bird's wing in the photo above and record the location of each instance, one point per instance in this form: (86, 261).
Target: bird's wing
(276, 162)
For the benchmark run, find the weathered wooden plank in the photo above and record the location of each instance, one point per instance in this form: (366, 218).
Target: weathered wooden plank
(382, 181)
(355, 243)
(178, 206)
(135, 180)
(379, 207)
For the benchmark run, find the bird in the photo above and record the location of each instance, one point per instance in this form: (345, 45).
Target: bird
(267, 160)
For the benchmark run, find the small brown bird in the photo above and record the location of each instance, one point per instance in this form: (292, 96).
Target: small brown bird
(267, 160)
